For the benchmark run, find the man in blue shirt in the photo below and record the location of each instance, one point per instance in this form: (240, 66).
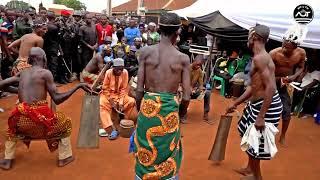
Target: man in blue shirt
(132, 32)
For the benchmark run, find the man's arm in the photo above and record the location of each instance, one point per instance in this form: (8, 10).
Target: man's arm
(300, 67)
(5, 84)
(14, 46)
(5, 47)
(186, 78)
(138, 33)
(40, 43)
(269, 91)
(141, 77)
(57, 97)
(123, 86)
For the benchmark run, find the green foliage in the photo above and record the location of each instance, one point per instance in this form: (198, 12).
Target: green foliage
(14, 4)
(74, 4)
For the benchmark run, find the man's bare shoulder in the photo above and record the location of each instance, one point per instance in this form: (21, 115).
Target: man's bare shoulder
(184, 58)
(301, 51)
(276, 51)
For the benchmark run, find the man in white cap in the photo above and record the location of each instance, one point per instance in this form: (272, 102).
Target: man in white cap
(289, 61)
(114, 95)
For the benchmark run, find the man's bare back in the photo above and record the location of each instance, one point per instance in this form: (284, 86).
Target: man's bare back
(32, 84)
(25, 43)
(285, 65)
(95, 65)
(261, 64)
(163, 67)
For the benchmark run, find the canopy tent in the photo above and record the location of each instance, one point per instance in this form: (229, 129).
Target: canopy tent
(278, 15)
(219, 26)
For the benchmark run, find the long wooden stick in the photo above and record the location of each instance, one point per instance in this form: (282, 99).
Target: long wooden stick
(98, 80)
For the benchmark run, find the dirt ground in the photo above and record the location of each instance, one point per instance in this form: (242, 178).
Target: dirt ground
(299, 161)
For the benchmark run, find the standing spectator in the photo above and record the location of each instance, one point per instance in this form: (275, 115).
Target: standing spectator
(88, 38)
(131, 32)
(103, 29)
(67, 34)
(6, 33)
(23, 25)
(76, 50)
(51, 47)
(43, 14)
(114, 35)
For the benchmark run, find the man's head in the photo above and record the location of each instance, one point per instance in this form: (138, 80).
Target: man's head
(51, 16)
(258, 34)
(169, 26)
(39, 27)
(65, 15)
(94, 20)
(31, 11)
(88, 19)
(133, 51)
(224, 54)
(132, 23)
(291, 39)
(43, 12)
(108, 40)
(198, 61)
(137, 42)
(124, 40)
(103, 19)
(152, 26)
(106, 50)
(38, 57)
(115, 27)
(77, 15)
(118, 65)
(10, 15)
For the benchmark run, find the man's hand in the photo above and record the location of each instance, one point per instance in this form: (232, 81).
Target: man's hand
(85, 87)
(121, 108)
(259, 124)
(95, 47)
(231, 109)
(113, 104)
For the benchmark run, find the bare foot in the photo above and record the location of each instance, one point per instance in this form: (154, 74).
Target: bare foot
(64, 162)
(244, 171)
(6, 164)
(282, 142)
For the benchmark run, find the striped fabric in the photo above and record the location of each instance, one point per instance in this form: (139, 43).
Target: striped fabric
(250, 114)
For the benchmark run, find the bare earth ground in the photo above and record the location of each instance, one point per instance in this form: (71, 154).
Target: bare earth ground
(300, 161)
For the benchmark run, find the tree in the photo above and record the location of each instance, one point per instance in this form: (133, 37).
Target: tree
(74, 4)
(14, 4)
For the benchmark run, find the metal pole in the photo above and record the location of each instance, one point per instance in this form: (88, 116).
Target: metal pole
(109, 8)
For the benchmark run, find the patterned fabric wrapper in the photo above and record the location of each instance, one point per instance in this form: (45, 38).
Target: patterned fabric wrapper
(88, 77)
(158, 148)
(19, 65)
(37, 121)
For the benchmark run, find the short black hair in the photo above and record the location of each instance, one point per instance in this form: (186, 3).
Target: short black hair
(42, 8)
(169, 23)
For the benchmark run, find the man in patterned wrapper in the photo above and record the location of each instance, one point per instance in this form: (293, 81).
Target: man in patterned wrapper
(32, 118)
(162, 69)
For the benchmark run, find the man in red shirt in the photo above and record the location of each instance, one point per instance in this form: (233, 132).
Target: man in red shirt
(103, 29)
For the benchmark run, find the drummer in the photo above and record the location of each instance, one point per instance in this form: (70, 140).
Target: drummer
(114, 96)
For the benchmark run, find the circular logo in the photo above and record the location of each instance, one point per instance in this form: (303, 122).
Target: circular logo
(303, 14)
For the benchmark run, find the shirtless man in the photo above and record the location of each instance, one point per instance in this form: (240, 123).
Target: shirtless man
(264, 107)
(95, 65)
(34, 85)
(289, 60)
(162, 69)
(25, 43)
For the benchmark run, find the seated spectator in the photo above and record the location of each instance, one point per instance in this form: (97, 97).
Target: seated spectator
(114, 96)
(152, 33)
(131, 62)
(123, 46)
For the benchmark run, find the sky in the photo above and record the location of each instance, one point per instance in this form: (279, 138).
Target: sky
(92, 5)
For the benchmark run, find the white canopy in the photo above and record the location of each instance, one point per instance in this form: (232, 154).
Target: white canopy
(276, 14)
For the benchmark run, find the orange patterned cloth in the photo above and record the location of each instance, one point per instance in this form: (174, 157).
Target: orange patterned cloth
(19, 65)
(38, 121)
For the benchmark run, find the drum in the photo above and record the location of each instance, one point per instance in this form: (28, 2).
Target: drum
(126, 128)
(237, 87)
